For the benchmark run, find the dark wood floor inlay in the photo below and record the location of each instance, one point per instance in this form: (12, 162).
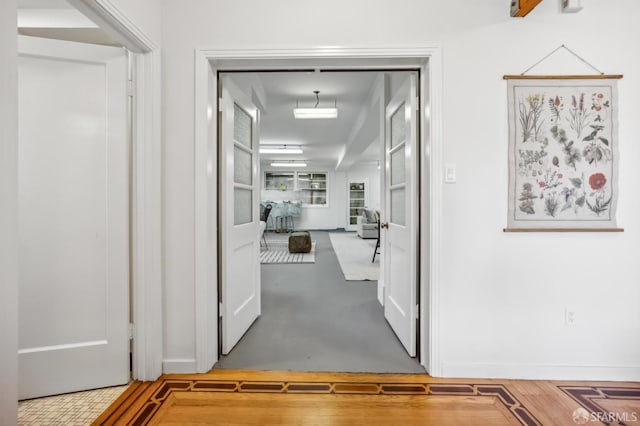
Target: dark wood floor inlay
(588, 397)
(500, 392)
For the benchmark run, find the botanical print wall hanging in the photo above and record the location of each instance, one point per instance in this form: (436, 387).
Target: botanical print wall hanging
(563, 152)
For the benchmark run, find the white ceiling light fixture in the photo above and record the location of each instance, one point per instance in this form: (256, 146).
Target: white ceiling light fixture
(315, 112)
(280, 149)
(292, 163)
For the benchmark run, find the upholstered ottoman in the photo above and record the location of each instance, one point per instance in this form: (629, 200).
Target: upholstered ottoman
(300, 242)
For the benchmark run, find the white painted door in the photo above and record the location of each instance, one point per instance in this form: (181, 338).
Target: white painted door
(73, 226)
(239, 212)
(401, 214)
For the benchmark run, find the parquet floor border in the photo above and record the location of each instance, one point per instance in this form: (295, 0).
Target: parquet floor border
(528, 402)
(587, 397)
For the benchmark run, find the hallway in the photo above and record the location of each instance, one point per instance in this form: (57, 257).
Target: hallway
(314, 320)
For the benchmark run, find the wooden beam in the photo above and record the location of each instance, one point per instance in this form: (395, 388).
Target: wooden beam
(521, 8)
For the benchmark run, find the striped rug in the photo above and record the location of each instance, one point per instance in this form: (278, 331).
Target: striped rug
(278, 252)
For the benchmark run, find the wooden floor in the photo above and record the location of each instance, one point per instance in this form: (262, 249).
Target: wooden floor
(235, 397)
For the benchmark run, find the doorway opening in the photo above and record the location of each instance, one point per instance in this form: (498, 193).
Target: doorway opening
(353, 182)
(208, 62)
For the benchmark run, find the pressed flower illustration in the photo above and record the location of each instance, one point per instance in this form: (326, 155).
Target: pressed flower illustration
(597, 182)
(562, 154)
(551, 203)
(551, 179)
(526, 197)
(555, 107)
(578, 114)
(598, 148)
(574, 197)
(600, 105)
(530, 162)
(572, 154)
(530, 117)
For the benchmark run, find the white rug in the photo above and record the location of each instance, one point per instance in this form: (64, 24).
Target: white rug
(354, 255)
(278, 252)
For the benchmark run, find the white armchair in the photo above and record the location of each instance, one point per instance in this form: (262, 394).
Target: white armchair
(367, 224)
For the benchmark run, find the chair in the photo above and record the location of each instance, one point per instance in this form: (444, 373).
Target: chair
(263, 224)
(375, 250)
(366, 224)
(265, 212)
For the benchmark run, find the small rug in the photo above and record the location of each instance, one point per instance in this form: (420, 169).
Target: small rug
(278, 252)
(354, 255)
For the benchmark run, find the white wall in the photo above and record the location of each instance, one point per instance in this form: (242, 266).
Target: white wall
(502, 295)
(8, 215)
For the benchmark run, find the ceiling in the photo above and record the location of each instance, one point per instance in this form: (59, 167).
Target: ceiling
(323, 141)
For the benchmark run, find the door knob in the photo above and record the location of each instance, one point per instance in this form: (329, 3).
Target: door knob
(384, 225)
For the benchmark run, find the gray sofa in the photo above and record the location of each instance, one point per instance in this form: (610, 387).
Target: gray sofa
(367, 224)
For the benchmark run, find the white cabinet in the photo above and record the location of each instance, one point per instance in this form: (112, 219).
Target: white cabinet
(357, 201)
(280, 181)
(310, 188)
(313, 188)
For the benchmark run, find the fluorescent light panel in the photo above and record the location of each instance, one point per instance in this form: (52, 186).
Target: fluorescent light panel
(280, 149)
(288, 164)
(307, 113)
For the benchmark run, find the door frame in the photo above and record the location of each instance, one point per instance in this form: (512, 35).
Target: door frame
(145, 185)
(208, 62)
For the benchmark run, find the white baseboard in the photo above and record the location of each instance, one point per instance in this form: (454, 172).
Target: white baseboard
(541, 372)
(179, 366)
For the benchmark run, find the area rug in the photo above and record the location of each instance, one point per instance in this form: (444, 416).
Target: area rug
(354, 255)
(278, 252)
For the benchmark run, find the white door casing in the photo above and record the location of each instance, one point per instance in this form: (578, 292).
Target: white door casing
(239, 211)
(74, 217)
(146, 208)
(401, 214)
(210, 61)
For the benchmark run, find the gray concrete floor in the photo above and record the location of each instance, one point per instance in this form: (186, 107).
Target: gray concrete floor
(314, 320)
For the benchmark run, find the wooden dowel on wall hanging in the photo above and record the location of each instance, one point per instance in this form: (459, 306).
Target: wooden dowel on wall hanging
(564, 77)
(563, 230)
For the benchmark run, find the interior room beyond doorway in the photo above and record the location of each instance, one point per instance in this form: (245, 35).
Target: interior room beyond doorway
(313, 318)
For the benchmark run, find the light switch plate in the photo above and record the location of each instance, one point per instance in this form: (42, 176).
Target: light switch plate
(450, 173)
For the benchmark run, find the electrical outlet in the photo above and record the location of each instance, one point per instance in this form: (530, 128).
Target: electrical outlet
(570, 316)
